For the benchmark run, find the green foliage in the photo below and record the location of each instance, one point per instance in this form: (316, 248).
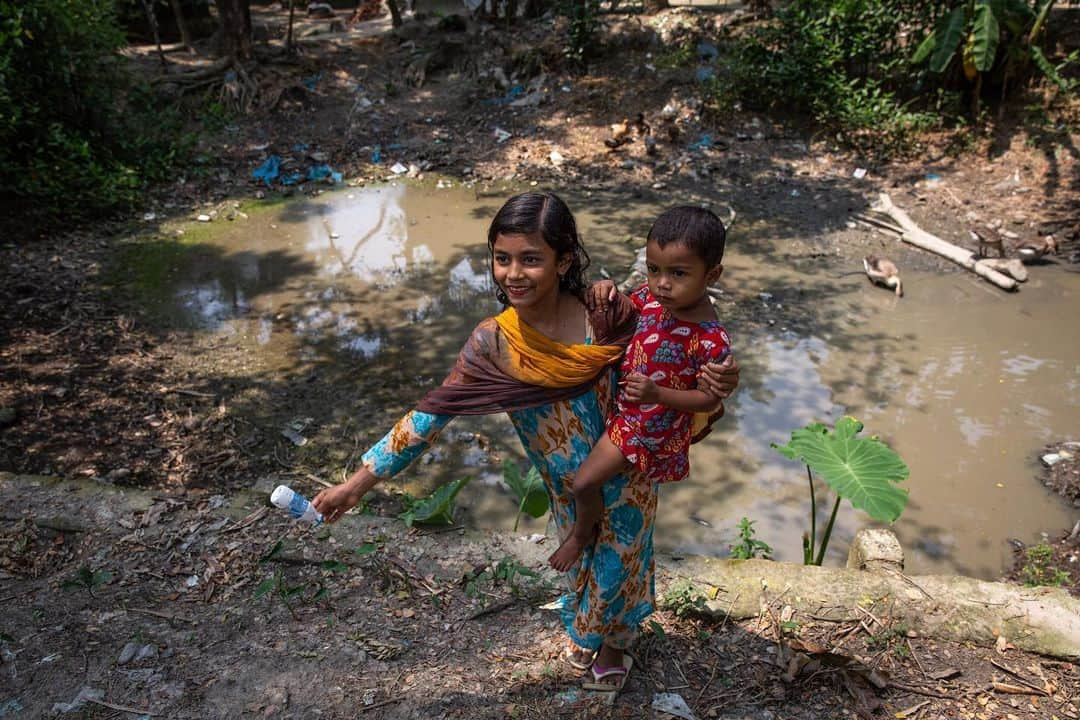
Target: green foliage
(584, 19)
(864, 471)
(1038, 567)
(529, 490)
(684, 598)
(87, 579)
(506, 572)
(76, 137)
(749, 547)
(435, 509)
(842, 62)
(305, 591)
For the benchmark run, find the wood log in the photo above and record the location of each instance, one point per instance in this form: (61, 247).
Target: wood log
(955, 608)
(914, 235)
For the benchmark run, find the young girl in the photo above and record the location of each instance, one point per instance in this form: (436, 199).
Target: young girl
(548, 362)
(677, 334)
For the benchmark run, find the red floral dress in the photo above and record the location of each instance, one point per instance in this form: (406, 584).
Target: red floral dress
(655, 438)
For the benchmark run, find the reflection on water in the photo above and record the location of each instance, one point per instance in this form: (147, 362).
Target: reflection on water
(360, 247)
(964, 383)
(966, 411)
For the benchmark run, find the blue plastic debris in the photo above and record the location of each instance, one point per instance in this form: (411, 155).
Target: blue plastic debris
(321, 172)
(292, 178)
(932, 177)
(301, 147)
(516, 90)
(268, 171)
(312, 81)
(704, 74)
(707, 51)
(376, 155)
(10, 707)
(705, 141)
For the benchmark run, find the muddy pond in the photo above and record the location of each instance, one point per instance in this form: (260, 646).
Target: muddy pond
(967, 383)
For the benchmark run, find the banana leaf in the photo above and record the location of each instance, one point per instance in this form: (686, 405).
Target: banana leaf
(984, 36)
(942, 43)
(862, 470)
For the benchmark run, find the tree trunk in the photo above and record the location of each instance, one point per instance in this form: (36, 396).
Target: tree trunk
(235, 18)
(395, 13)
(759, 8)
(1038, 619)
(181, 24)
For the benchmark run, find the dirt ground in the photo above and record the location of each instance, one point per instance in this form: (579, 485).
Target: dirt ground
(396, 622)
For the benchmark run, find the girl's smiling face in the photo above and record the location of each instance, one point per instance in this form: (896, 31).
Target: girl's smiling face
(527, 268)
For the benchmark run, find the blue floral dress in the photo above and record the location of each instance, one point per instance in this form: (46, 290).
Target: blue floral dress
(611, 589)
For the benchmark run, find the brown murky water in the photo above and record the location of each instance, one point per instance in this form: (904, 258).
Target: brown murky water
(966, 383)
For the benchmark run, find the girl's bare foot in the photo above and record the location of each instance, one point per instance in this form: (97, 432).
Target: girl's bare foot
(567, 554)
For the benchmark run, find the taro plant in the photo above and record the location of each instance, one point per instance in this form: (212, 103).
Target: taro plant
(437, 508)
(864, 471)
(528, 489)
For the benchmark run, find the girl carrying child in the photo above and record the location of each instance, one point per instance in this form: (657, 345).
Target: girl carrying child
(548, 361)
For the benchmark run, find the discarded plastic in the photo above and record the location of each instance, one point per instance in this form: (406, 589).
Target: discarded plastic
(323, 172)
(298, 506)
(704, 74)
(859, 173)
(399, 169)
(501, 135)
(268, 171)
(707, 51)
(672, 704)
(705, 141)
(932, 177)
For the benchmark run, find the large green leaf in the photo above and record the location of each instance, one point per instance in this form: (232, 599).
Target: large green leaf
(984, 36)
(438, 507)
(529, 490)
(862, 470)
(948, 34)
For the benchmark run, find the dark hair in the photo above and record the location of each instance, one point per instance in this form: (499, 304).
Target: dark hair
(697, 228)
(548, 215)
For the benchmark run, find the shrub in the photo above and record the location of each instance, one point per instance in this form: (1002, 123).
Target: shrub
(76, 138)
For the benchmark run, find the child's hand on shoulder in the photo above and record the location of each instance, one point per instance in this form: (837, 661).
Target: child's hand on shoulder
(600, 294)
(640, 389)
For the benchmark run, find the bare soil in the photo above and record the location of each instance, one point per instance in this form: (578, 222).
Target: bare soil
(429, 623)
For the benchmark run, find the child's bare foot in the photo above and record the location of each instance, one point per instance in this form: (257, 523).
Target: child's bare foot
(567, 554)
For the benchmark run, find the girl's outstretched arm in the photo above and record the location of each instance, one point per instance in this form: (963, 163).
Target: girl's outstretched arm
(338, 500)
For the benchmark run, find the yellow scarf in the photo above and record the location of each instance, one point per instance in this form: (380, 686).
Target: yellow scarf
(539, 360)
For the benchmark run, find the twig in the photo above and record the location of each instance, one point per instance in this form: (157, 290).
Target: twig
(912, 710)
(185, 391)
(497, 607)
(121, 708)
(365, 708)
(914, 656)
(915, 584)
(159, 614)
(1018, 676)
(249, 520)
(917, 690)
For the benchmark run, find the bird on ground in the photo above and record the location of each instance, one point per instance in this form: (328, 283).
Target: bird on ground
(883, 272)
(987, 242)
(622, 131)
(1035, 249)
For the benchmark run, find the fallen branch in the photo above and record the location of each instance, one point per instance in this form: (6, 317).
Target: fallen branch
(121, 708)
(914, 235)
(1041, 620)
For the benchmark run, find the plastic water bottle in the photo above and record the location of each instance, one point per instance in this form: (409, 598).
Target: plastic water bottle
(297, 505)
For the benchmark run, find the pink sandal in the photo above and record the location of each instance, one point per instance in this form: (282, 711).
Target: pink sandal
(609, 679)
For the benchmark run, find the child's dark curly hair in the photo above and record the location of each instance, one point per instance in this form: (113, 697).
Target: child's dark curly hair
(547, 214)
(697, 228)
